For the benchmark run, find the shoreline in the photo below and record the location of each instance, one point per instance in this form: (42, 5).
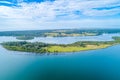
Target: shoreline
(61, 53)
(41, 48)
(58, 52)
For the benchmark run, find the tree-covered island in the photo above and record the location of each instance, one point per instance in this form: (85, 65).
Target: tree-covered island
(24, 37)
(39, 47)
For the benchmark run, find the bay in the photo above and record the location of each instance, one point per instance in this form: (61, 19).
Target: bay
(102, 64)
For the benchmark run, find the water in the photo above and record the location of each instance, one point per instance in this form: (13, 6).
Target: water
(64, 40)
(102, 64)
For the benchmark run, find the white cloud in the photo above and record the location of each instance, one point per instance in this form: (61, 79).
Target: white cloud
(59, 14)
(45, 11)
(102, 13)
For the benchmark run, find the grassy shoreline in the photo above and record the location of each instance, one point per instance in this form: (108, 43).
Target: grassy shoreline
(52, 53)
(59, 49)
(39, 47)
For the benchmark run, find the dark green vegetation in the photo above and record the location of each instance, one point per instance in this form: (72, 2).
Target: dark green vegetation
(116, 38)
(59, 32)
(24, 37)
(39, 47)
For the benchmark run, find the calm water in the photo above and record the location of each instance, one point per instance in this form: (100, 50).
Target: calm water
(64, 40)
(102, 64)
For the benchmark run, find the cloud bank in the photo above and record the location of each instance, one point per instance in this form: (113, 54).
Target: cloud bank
(59, 10)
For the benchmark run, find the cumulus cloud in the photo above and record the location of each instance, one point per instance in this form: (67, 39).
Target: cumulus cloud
(60, 9)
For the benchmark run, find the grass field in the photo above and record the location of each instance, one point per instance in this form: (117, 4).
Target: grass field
(74, 48)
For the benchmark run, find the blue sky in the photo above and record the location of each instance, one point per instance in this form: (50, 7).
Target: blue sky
(58, 14)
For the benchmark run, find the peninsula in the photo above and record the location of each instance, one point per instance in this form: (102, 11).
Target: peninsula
(39, 47)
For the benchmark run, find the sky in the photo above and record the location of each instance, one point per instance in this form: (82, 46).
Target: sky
(58, 14)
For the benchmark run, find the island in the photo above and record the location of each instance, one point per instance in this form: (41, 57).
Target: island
(24, 37)
(39, 47)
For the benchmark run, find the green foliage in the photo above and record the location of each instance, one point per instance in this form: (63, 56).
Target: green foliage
(24, 37)
(59, 32)
(39, 47)
(116, 38)
(26, 46)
